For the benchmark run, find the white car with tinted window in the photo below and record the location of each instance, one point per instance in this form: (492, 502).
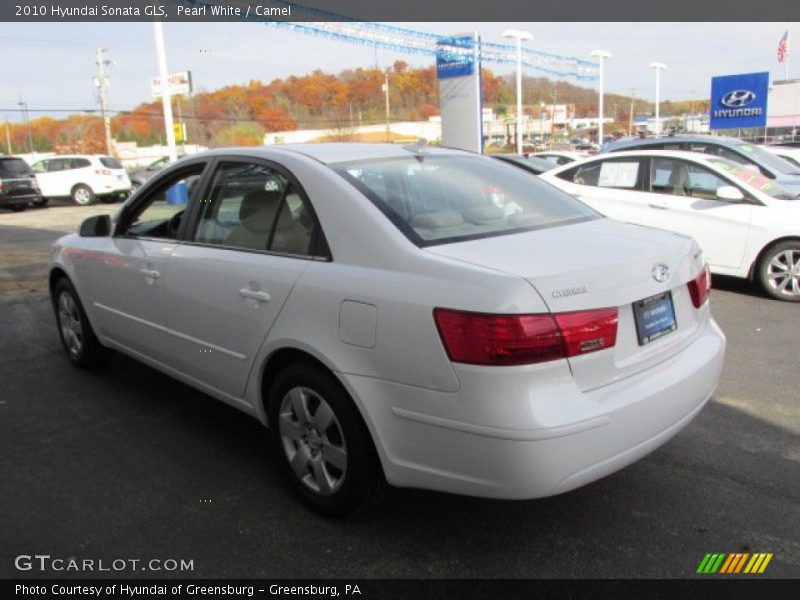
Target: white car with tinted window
(746, 224)
(82, 177)
(430, 318)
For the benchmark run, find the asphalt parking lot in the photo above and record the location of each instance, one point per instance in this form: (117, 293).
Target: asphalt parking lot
(127, 463)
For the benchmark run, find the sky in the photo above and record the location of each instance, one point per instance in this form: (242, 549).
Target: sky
(50, 66)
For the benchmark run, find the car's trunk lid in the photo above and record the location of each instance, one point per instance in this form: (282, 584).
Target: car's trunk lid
(600, 264)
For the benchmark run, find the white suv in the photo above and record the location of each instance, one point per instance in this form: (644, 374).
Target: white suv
(82, 178)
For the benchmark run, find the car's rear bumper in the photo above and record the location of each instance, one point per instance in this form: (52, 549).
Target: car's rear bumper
(512, 433)
(18, 200)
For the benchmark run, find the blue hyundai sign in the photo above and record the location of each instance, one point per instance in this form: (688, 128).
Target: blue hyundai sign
(455, 57)
(739, 100)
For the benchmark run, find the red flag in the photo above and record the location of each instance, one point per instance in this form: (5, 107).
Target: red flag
(783, 47)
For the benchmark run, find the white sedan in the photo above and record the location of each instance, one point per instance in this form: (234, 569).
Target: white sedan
(430, 318)
(747, 225)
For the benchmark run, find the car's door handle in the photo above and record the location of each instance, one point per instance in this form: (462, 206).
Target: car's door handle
(254, 294)
(658, 206)
(150, 274)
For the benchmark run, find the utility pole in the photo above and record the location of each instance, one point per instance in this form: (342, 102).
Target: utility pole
(23, 106)
(166, 99)
(630, 115)
(386, 94)
(553, 116)
(8, 138)
(101, 82)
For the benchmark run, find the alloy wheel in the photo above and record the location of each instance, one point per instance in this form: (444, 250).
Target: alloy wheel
(313, 440)
(783, 273)
(70, 322)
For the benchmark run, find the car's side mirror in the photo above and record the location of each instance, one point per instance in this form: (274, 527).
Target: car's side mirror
(730, 192)
(97, 226)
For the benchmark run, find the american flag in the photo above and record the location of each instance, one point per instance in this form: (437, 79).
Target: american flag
(783, 47)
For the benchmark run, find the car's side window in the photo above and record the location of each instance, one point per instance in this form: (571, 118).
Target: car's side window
(57, 164)
(159, 214)
(39, 167)
(254, 207)
(79, 163)
(619, 174)
(679, 178)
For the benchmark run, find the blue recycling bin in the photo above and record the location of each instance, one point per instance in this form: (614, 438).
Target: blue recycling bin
(178, 194)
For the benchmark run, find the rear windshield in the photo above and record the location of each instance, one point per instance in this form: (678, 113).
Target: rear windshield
(439, 199)
(110, 162)
(13, 167)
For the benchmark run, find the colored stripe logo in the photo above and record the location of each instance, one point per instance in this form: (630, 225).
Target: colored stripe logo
(734, 563)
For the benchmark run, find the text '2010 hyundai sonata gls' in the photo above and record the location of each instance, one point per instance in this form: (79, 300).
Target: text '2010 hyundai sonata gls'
(423, 317)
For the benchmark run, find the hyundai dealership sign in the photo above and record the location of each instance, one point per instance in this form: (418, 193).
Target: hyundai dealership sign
(459, 72)
(739, 101)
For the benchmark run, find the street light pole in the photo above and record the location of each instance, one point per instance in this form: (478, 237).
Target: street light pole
(658, 66)
(519, 36)
(602, 55)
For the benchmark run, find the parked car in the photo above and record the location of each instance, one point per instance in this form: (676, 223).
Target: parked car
(530, 163)
(560, 157)
(427, 317)
(747, 225)
(139, 177)
(83, 178)
(769, 165)
(18, 187)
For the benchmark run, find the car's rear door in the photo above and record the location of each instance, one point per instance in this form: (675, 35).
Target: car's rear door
(253, 235)
(682, 198)
(609, 185)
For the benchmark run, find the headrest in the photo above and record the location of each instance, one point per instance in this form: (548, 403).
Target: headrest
(258, 208)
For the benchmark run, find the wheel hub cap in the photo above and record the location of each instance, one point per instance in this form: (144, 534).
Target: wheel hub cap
(70, 323)
(313, 440)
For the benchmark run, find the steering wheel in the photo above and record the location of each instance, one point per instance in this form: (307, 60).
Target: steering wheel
(174, 224)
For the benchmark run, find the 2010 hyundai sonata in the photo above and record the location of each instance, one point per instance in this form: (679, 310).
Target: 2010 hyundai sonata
(426, 317)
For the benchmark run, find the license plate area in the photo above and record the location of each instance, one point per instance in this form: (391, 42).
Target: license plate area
(655, 317)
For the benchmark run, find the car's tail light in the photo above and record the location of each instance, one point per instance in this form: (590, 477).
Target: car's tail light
(502, 340)
(700, 287)
(103, 172)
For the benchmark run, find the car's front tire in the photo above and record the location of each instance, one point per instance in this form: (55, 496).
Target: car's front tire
(82, 195)
(80, 342)
(321, 442)
(779, 271)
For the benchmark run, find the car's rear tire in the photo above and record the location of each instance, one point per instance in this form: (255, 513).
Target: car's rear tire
(108, 199)
(80, 342)
(321, 442)
(82, 195)
(18, 207)
(778, 271)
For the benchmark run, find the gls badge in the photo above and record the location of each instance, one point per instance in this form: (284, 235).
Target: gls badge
(738, 98)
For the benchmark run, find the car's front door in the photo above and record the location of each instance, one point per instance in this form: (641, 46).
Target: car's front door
(254, 235)
(126, 272)
(683, 198)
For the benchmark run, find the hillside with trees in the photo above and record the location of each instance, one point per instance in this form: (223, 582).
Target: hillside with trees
(241, 114)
